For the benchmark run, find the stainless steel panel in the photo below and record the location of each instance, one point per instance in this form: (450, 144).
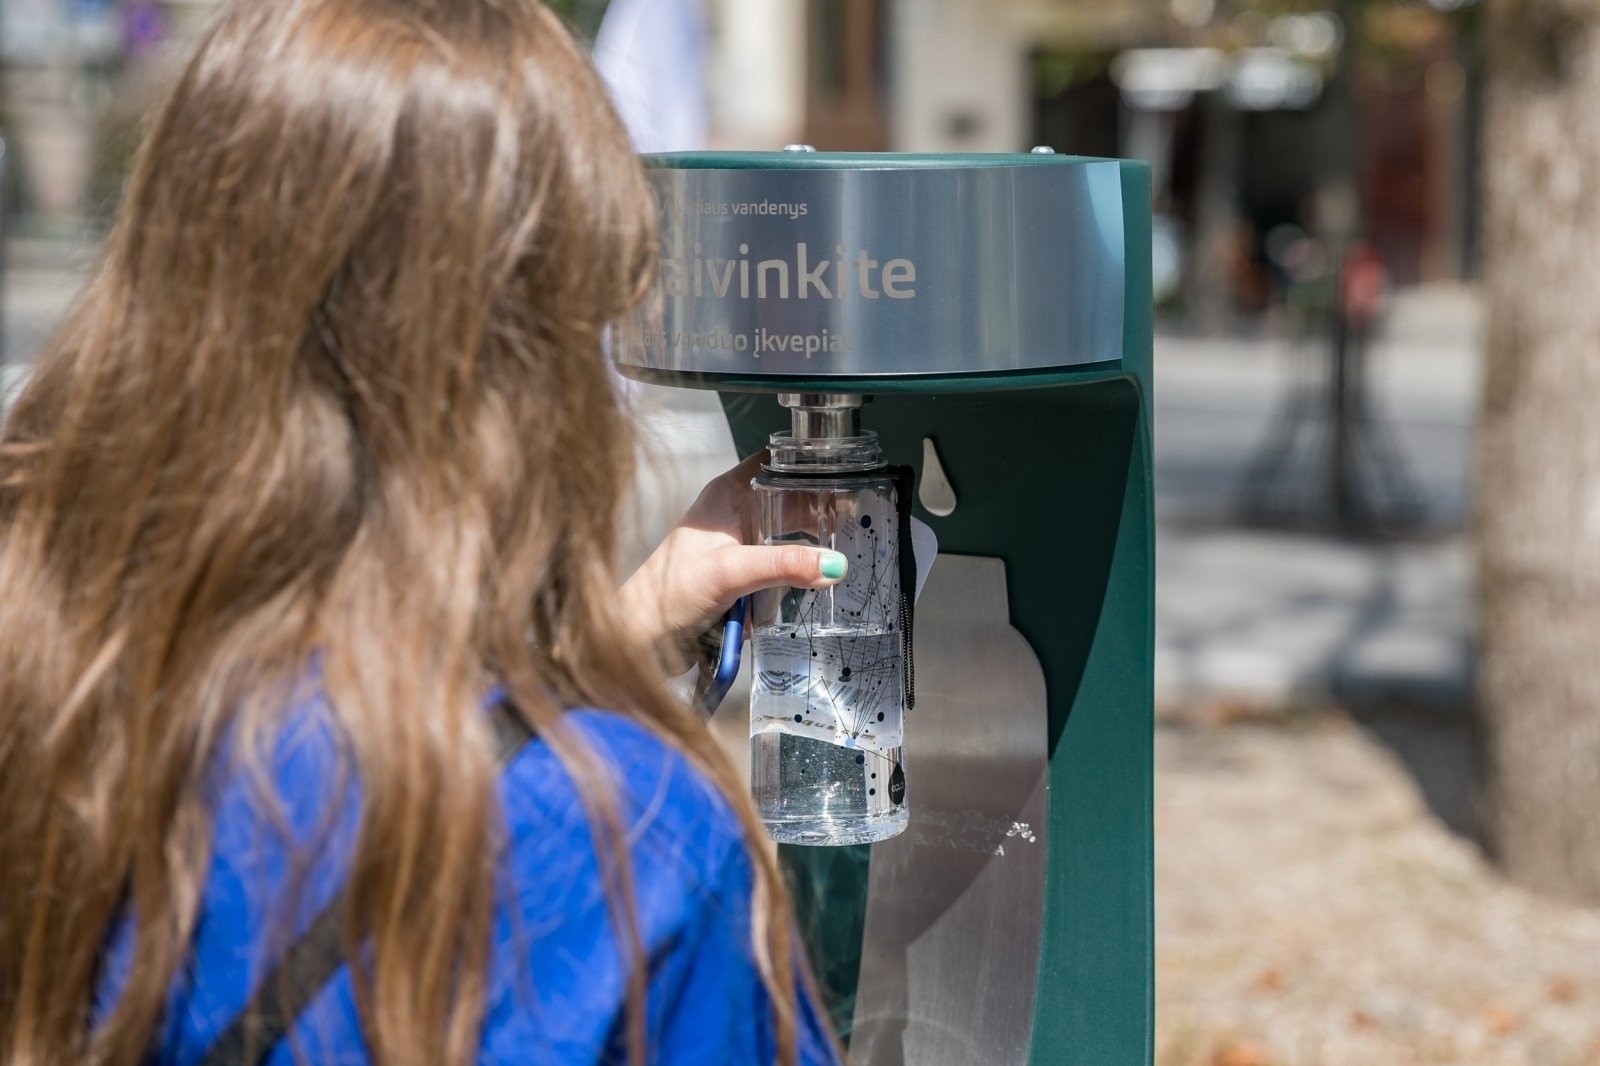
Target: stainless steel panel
(885, 272)
(954, 904)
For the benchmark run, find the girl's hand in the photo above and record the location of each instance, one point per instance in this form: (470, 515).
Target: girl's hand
(704, 565)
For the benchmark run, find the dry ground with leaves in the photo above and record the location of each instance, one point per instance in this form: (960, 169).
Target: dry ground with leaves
(1315, 907)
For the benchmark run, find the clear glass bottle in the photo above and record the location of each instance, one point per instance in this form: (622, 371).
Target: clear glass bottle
(827, 703)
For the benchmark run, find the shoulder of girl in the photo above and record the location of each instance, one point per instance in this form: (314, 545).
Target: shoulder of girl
(662, 798)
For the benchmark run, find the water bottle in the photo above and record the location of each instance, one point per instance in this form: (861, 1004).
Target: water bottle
(828, 697)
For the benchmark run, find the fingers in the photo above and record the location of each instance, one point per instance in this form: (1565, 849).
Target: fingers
(750, 465)
(726, 493)
(746, 569)
(739, 476)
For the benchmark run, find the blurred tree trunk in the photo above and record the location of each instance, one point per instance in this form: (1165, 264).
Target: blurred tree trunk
(1539, 448)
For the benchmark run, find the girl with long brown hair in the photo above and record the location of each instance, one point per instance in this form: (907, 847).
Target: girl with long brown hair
(312, 499)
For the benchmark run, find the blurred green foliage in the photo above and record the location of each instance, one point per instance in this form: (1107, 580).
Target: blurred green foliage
(582, 15)
(1054, 72)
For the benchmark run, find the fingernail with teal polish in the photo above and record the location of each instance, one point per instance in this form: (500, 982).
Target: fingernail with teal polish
(834, 565)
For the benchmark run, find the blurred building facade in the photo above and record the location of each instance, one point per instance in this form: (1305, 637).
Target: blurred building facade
(1239, 105)
(76, 78)
(1257, 117)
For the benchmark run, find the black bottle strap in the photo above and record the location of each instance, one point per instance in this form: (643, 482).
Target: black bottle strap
(312, 960)
(905, 480)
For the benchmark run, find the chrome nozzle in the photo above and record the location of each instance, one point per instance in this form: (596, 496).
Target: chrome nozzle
(815, 415)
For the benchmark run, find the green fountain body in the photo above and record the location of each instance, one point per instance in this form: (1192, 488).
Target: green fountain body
(996, 310)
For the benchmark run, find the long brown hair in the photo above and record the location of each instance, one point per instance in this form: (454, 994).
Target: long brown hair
(336, 388)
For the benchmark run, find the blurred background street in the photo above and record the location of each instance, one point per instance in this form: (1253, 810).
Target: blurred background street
(1322, 897)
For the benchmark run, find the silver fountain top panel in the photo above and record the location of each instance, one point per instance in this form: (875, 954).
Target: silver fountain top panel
(854, 272)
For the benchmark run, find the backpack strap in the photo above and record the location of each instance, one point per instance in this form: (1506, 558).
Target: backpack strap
(905, 480)
(312, 960)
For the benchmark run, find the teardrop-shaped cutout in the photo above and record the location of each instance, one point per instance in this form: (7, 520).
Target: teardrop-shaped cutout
(935, 491)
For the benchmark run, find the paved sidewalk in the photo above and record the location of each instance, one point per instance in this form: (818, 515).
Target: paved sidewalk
(1280, 618)
(1275, 616)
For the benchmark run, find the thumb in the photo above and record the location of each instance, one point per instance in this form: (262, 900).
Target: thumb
(747, 568)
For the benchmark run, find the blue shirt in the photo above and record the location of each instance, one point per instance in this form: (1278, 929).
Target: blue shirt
(556, 980)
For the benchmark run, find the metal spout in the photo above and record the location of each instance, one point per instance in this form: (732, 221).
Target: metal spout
(815, 415)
